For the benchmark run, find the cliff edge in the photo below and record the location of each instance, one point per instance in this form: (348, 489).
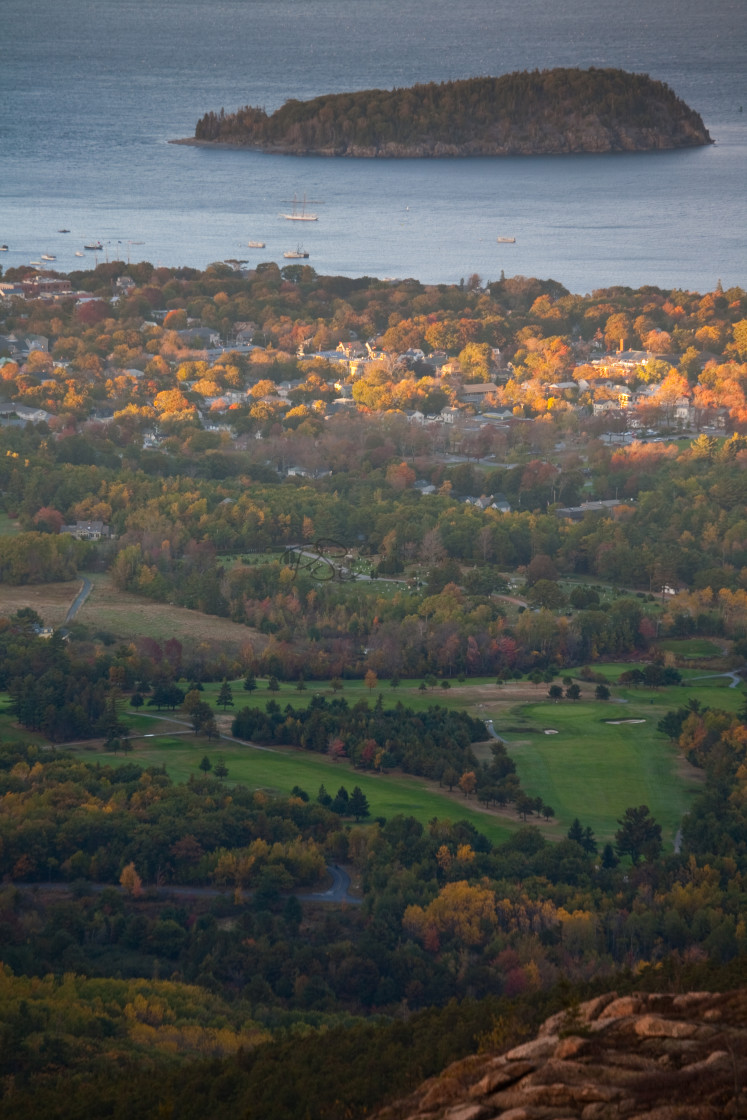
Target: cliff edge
(642, 1057)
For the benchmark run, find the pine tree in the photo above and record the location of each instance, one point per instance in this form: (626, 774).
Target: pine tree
(358, 804)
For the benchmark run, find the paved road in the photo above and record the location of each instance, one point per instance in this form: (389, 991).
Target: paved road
(736, 680)
(79, 600)
(337, 893)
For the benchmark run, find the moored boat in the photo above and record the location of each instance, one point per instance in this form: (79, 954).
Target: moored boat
(93, 245)
(296, 254)
(506, 240)
(256, 244)
(300, 215)
(48, 257)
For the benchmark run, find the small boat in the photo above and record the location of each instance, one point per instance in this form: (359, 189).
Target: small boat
(298, 254)
(35, 264)
(48, 257)
(3, 248)
(63, 231)
(256, 244)
(300, 215)
(506, 240)
(79, 254)
(96, 245)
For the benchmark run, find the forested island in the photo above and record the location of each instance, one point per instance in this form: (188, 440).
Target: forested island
(542, 112)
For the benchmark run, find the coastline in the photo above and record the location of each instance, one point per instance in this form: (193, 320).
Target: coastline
(446, 152)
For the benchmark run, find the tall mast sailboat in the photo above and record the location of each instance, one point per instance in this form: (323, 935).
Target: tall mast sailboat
(300, 215)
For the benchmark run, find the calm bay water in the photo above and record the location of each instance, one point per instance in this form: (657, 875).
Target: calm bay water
(91, 91)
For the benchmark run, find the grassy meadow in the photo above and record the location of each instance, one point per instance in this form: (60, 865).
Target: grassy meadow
(603, 756)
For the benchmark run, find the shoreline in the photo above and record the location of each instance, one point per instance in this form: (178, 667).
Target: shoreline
(370, 153)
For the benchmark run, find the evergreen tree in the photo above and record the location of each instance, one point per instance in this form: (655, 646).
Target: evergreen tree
(358, 805)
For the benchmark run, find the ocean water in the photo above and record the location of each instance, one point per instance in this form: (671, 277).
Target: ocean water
(91, 92)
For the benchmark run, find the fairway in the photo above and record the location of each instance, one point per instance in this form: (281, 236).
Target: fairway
(278, 769)
(594, 770)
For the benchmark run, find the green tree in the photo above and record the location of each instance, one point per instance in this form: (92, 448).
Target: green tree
(225, 696)
(639, 836)
(220, 769)
(358, 805)
(250, 682)
(205, 764)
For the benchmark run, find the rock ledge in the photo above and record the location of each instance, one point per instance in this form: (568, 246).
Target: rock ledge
(640, 1057)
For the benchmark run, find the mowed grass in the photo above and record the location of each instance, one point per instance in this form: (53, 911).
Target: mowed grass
(278, 770)
(692, 647)
(594, 771)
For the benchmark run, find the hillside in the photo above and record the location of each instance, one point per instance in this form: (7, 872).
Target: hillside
(543, 112)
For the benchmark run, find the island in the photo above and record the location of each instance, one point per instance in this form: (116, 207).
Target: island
(542, 112)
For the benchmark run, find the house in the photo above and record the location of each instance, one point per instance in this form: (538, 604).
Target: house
(9, 290)
(19, 346)
(31, 415)
(476, 394)
(200, 337)
(351, 349)
(577, 513)
(87, 530)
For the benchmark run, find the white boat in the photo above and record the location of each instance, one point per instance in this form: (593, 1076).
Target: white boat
(506, 240)
(3, 248)
(300, 215)
(35, 264)
(256, 244)
(79, 254)
(95, 245)
(298, 254)
(48, 257)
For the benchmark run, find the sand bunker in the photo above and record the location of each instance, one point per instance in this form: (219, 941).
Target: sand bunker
(550, 731)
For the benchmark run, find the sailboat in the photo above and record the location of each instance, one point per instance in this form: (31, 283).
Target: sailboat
(300, 215)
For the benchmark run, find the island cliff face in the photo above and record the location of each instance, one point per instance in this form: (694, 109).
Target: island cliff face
(642, 1057)
(547, 112)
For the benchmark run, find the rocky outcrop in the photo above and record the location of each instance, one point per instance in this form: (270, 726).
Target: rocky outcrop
(640, 1057)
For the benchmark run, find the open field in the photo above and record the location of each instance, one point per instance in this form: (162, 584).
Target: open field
(593, 768)
(130, 616)
(51, 601)
(692, 647)
(8, 526)
(279, 769)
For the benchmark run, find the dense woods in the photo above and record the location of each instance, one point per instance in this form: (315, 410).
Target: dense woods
(547, 111)
(165, 926)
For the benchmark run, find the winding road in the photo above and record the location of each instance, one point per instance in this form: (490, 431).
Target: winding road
(338, 892)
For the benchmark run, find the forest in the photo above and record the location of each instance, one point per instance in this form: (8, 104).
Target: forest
(364, 567)
(527, 112)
